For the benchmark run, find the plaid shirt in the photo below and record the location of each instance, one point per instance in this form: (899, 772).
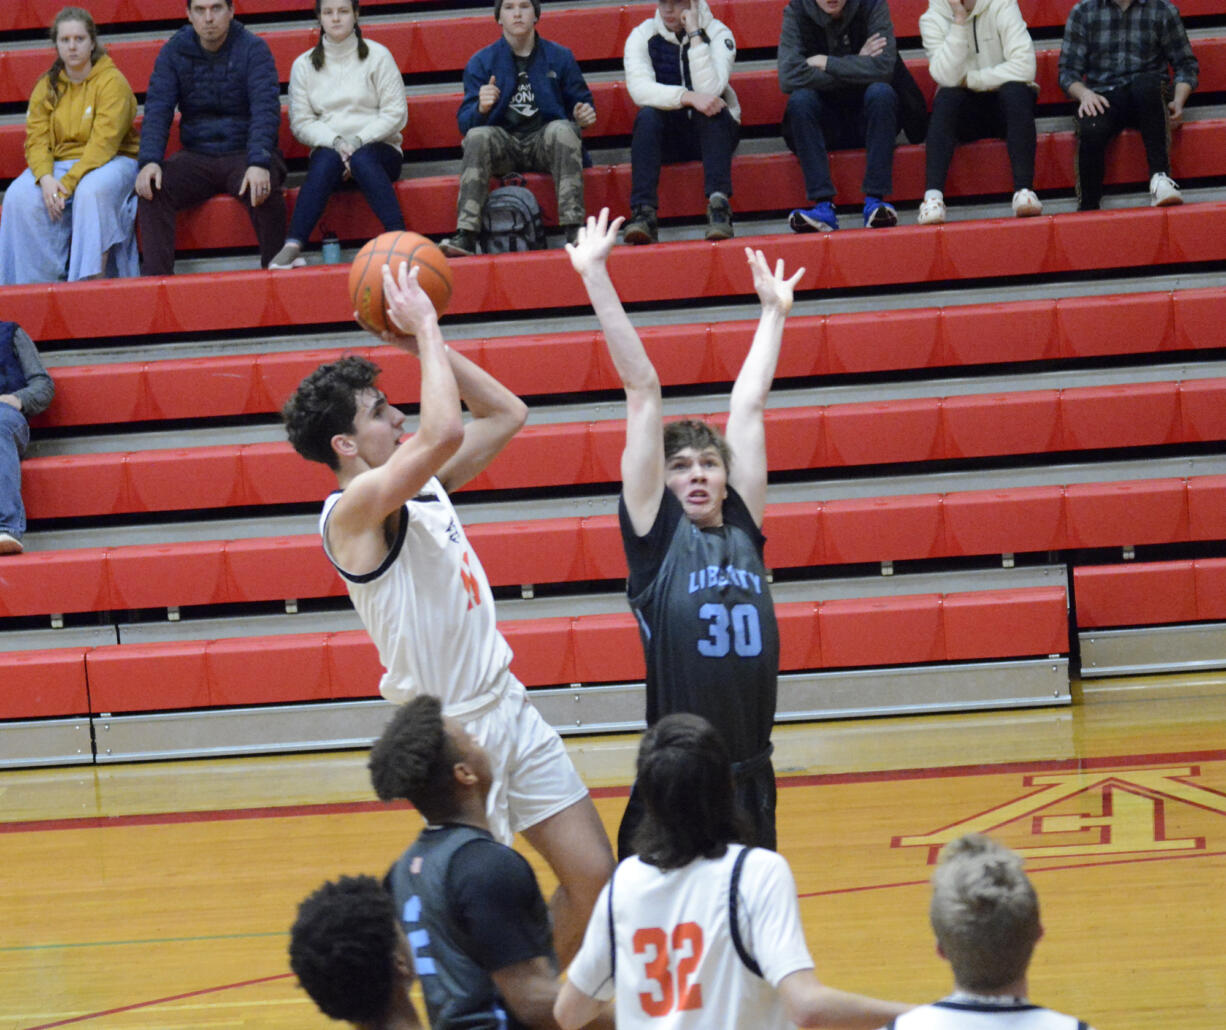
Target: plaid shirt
(1105, 47)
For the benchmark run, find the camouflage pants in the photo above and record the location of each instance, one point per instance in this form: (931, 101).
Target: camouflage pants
(489, 150)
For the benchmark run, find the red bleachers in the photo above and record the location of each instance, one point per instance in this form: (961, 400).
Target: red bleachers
(432, 117)
(1150, 593)
(559, 550)
(1042, 246)
(38, 14)
(584, 649)
(761, 183)
(1074, 327)
(876, 433)
(43, 684)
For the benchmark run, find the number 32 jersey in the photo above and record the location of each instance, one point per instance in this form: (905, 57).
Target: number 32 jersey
(676, 966)
(707, 621)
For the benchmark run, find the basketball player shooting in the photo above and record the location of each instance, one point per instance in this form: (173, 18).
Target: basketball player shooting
(691, 514)
(419, 588)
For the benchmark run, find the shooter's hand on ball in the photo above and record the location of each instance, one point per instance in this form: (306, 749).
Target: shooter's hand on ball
(409, 308)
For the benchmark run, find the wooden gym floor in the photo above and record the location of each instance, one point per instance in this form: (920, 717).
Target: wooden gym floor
(159, 895)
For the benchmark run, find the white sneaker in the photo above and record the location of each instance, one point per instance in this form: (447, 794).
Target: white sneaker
(9, 544)
(1026, 204)
(1163, 192)
(932, 212)
(289, 256)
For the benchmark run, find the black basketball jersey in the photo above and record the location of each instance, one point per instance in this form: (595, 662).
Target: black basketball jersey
(466, 915)
(707, 621)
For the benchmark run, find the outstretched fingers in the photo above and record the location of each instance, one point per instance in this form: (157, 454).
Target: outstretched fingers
(594, 241)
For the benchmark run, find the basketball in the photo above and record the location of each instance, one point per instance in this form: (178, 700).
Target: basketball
(392, 248)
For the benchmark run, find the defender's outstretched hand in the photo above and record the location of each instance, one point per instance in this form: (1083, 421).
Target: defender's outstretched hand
(774, 290)
(595, 241)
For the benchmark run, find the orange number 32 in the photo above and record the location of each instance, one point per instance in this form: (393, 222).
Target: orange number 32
(687, 950)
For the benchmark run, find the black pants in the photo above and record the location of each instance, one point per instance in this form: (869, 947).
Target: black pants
(189, 179)
(1139, 104)
(665, 137)
(963, 115)
(753, 784)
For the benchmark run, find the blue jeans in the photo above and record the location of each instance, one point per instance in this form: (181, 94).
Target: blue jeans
(374, 167)
(816, 122)
(666, 137)
(14, 437)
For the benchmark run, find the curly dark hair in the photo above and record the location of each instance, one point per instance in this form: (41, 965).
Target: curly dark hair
(413, 760)
(684, 776)
(691, 432)
(325, 404)
(342, 948)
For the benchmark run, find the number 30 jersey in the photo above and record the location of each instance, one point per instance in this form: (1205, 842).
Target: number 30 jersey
(670, 960)
(707, 621)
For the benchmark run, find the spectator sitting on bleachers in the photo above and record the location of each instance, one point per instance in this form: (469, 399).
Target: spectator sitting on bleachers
(71, 213)
(525, 102)
(836, 62)
(678, 63)
(985, 915)
(981, 57)
(25, 390)
(223, 81)
(346, 102)
(350, 954)
(1113, 63)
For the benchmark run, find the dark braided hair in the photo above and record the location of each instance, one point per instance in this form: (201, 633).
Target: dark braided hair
(52, 74)
(317, 54)
(413, 760)
(342, 948)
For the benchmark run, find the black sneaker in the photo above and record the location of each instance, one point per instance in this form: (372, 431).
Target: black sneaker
(572, 233)
(461, 243)
(642, 227)
(719, 217)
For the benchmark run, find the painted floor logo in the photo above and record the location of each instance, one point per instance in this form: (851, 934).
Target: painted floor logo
(1093, 814)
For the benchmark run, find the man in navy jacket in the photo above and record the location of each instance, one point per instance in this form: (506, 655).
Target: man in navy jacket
(223, 81)
(524, 103)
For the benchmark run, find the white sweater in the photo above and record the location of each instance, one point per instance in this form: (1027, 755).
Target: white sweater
(347, 96)
(991, 48)
(710, 63)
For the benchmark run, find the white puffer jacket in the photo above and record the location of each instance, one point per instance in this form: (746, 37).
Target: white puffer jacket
(711, 61)
(991, 48)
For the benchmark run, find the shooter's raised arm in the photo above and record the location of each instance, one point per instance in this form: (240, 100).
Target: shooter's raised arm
(384, 475)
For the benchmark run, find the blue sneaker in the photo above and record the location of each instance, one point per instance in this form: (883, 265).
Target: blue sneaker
(814, 219)
(878, 214)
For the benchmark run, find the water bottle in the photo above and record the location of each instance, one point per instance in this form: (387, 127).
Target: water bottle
(332, 248)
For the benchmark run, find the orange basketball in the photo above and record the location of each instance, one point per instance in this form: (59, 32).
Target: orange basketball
(391, 249)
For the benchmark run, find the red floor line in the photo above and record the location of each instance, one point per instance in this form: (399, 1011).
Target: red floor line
(817, 779)
(160, 1001)
(1031, 871)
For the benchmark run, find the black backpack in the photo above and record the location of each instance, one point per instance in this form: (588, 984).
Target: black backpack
(511, 221)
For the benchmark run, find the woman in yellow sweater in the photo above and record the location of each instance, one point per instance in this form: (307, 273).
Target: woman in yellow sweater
(72, 213)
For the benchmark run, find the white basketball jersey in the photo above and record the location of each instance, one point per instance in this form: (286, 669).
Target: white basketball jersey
(429, 610)
(677, 967)
(960, 1012)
